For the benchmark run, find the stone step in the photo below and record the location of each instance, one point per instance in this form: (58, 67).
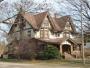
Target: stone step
(68, 56)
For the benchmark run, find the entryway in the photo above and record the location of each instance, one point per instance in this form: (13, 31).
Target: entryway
(66, 48)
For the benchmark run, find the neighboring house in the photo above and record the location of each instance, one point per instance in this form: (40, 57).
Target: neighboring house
(60, 32)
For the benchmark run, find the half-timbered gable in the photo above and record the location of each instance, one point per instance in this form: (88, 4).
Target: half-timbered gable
(66, 25)
(46, 28)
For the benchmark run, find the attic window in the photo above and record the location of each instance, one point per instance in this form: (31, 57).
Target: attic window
(45, 24)
(68, 26)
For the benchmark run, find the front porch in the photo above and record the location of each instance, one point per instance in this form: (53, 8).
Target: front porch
(70, 48)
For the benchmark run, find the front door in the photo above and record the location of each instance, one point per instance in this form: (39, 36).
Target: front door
(66, 48)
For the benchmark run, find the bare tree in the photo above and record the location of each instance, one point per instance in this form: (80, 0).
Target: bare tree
(1, 0)
(10, 11)
(76, 9)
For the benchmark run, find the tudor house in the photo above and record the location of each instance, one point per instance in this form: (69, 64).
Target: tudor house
(59, 31)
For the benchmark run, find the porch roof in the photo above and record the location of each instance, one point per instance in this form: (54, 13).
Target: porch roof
(58, 41)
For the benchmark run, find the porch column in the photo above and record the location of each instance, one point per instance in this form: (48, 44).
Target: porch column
(61, 49)
(71, 49)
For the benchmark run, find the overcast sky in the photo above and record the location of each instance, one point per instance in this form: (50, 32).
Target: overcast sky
(11, 1)
(57, 7)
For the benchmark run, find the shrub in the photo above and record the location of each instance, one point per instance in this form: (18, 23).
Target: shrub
(28, 55)
(50, 52)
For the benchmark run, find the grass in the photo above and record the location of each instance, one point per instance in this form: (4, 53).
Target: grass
(10, 60)
(72, 63)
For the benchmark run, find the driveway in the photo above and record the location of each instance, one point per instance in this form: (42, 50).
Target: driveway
(36, 65)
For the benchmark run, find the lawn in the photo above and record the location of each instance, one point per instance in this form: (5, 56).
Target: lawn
(72, 63)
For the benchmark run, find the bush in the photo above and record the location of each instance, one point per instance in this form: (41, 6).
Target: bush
(28, 55)
(50, 52)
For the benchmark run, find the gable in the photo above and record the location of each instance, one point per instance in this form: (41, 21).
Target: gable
(45, 23)
(66, 42)
(18, 23)
(68, 27)
(25, 27)
(39, 18)
(35, 20)
(62, 21)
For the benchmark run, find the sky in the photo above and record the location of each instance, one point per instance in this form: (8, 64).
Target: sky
(56, 7)
(11, 1)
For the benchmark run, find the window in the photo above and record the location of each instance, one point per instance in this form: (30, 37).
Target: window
(57, 34)
(44, 33)
(66, 34)
(29, 33)
(68, 26)
(41, 33)
(45, 25)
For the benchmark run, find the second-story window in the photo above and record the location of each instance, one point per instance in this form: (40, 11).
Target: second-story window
(41, 33)
(66, 34)
(57, 34)
(44, 33)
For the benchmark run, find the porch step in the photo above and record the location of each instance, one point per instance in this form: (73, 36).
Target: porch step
(68, 56)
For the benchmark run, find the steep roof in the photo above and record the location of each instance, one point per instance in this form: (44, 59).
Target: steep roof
(57, 24)
(62, 22)
(39, 18)
(55, 27)
(35, 20)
